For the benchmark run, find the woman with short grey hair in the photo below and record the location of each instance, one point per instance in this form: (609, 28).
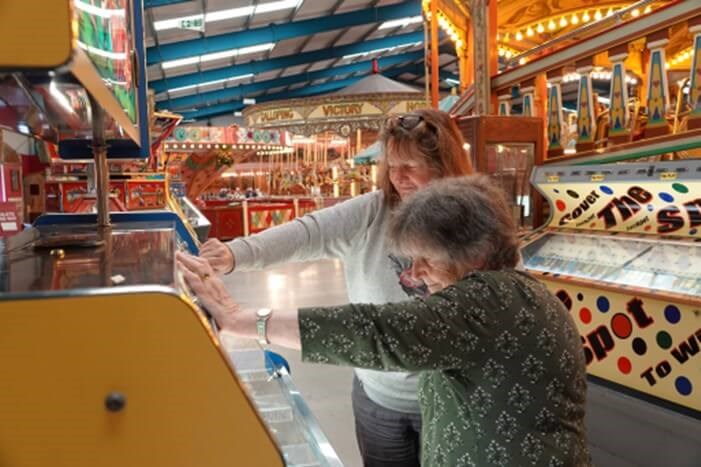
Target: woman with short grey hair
(502, 370)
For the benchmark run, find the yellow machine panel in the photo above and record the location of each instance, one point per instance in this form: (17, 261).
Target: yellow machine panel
(35, 33)
(121, 379)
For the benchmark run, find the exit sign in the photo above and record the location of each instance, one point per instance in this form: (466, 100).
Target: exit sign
(195, 24)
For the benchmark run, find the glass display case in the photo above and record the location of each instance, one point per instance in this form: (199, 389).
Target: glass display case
(281, 406)
(622, 251)
(655, 264)
(507, 148)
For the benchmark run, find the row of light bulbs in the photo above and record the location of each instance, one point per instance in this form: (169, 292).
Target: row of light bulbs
(445, 24)
(574, 19)
(598, 76)
(185, 146)
(680, 57)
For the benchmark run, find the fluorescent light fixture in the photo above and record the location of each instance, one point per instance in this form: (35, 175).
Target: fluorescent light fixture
(401, 22)
(97, 11)
(238, 114)
(232, 13)
(452, 81)
(384, 49)
(217, 55)
(209, 83)
(248, 101)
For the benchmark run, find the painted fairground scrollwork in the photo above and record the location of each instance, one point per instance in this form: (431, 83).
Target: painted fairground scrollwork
(342, 114)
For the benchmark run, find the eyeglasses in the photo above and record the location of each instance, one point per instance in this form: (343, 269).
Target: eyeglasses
(409, 121)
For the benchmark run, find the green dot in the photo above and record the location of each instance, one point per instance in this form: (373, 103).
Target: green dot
(680, 188)
(664, 340)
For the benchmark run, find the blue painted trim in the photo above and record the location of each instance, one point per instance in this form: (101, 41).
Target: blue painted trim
(280, 32)
(157, 3)
(120, 217)
(240, 91)
(142, 91)
(257, 67)
(331, 86)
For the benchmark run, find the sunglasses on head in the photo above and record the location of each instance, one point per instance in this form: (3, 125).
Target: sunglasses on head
(409, 121)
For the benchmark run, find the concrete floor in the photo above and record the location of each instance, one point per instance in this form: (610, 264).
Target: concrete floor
(326, 388)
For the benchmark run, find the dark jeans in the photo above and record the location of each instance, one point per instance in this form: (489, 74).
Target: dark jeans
(386, 438)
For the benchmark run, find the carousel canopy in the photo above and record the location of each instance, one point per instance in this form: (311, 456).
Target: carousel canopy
(361, 106)
(376, 84)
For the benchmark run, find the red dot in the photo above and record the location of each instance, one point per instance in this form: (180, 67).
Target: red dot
(624, 365)
(648, 227)
(560, 205)
(585, 315)
(621, 326)
(593, 224)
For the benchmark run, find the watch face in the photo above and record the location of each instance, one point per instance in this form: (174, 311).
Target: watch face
(263, 312)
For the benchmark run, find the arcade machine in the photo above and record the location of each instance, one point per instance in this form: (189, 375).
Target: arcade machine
(622, 251)
(106, 358)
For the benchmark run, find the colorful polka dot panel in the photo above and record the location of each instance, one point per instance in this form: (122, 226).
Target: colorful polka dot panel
(650, 345)
(648, 207)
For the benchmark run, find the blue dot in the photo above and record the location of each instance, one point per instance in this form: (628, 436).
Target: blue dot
(556, 190)
(672, 314)
(602, 303)
(683, 385)
(650, 207)
(606, 189)
(666, 197)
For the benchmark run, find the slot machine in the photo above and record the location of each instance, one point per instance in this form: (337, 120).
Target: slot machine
(108, 360)
(622, 251)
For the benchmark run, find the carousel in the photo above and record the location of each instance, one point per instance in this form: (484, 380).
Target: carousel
(329, 132)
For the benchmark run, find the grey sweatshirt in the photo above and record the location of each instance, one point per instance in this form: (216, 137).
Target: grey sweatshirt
(355, 232)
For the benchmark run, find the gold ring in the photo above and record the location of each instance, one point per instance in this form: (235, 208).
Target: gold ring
(204, 276)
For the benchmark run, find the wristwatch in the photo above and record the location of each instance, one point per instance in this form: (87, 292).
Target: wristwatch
(262, 317)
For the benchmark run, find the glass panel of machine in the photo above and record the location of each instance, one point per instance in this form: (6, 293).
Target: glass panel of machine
(294, 428)
(658, 265)
(69, 257)
(105, 34)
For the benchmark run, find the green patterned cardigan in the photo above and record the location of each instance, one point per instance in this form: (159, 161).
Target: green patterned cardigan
(503, 378)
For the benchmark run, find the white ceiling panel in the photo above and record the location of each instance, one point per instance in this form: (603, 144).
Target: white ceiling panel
(287, 47)
(293, 70)
(321, 41)
(266, 76)
(354, 34)
(170, 36)
(321, 65)
(314, 9)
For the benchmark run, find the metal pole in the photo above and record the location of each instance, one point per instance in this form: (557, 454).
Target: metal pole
(102, 176)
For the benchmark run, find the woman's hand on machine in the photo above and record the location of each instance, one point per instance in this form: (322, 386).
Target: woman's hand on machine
(219, 256)
(209, 288)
